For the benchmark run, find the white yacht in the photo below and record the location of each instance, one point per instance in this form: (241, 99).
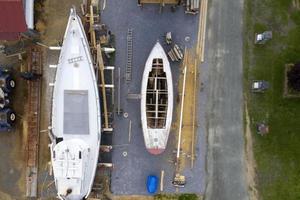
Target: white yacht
(76, 122)
(157, 100)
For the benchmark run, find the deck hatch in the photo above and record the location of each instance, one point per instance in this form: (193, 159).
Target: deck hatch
(76, 112)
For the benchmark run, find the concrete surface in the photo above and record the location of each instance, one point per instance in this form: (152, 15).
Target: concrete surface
(223, 70)
(130, 171)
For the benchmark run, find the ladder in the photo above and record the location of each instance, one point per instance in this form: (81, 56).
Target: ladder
(129, 55)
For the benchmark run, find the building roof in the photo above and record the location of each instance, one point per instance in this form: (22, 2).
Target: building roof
(12, 19)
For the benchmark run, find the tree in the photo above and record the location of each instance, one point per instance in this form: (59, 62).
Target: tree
(294, 77)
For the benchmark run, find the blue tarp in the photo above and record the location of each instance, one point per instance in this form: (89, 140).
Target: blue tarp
(152, 182)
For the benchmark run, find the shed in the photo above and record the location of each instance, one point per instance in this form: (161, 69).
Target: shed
(12, 19)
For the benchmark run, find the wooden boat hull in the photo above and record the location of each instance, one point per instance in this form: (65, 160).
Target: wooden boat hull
(156, 100)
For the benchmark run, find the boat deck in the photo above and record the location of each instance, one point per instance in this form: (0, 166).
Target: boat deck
(157, 96)
(76, 122)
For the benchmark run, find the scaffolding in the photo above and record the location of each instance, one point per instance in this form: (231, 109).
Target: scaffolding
(99, 39)
(92, 17)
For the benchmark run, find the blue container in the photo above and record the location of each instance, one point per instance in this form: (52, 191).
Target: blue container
(152, 182)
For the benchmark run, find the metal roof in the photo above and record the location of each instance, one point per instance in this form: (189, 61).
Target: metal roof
(12, 19)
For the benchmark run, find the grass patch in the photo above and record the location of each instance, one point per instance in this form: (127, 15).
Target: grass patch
(177, 197)
(277, 154)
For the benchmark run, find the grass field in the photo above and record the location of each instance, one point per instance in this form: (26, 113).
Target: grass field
(277, 154)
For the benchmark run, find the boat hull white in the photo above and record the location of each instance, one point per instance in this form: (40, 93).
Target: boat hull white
(75, 116)
(156, 100)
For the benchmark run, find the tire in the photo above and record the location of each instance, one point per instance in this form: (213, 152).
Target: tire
(12, 83)
(12, 116)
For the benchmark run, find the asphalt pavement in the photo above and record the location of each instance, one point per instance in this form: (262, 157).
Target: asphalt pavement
(224, 114)
(132, 163)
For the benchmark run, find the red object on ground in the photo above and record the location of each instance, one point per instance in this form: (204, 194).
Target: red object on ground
(12, 19)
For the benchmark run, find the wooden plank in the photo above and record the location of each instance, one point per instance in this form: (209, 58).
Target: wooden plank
(92, 31)
(162, 175)
(101, 67)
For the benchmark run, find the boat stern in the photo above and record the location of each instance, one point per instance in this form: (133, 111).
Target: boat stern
(155, 151)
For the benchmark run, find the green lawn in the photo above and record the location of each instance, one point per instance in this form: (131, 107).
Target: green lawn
(277, 154)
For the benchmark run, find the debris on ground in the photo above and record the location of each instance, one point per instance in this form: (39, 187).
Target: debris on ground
(179, 180)
(262, 129)
(259, 86)
(262, 38)
(168, 37)
(192, 6)
(175, 53)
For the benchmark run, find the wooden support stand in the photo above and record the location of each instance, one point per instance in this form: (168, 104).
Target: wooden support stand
(33, 120)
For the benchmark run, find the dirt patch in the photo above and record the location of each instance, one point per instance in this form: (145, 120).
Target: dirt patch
(250, 161)
(189, 125)
(296, 4)
(55, 19)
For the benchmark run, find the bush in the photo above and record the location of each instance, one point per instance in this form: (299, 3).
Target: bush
(294, 77)
(188, 197)
(176, 197)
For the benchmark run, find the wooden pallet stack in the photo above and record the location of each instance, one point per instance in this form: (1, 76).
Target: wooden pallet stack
(192, 6)
(175, 53)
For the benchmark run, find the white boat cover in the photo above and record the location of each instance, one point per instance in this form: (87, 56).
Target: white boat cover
(75, 116)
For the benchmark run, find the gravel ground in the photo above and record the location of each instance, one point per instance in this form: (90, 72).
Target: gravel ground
(12, 148)
(130, 171)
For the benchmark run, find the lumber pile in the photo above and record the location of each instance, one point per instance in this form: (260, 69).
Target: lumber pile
(192, 6)
(175, 53)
